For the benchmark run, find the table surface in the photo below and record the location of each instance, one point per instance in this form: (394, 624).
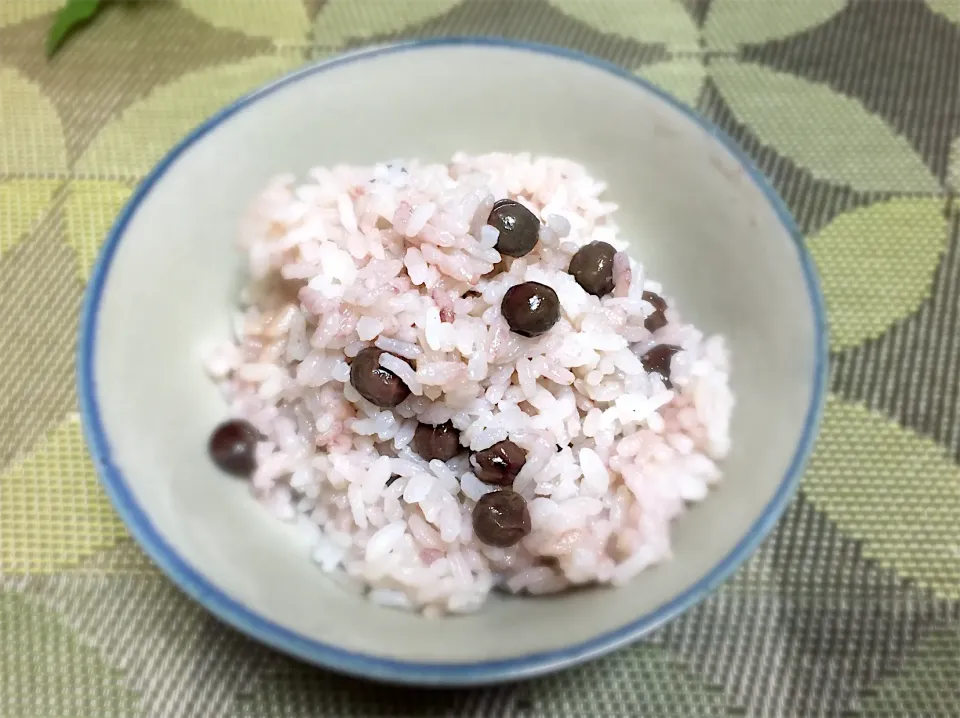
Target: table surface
(851, 608)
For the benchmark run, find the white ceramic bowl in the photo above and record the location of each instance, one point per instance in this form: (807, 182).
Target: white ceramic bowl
(701, 218)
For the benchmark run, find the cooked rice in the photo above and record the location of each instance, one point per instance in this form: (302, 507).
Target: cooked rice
(384, 255)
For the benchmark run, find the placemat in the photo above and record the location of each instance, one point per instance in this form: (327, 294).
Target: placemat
(852, 607)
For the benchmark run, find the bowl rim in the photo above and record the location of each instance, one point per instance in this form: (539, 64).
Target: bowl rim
(393, 670)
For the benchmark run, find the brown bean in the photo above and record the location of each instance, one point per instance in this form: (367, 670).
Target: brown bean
(501, 518)
(232, 447)
(377, 385)
(500, 464)
(436, 442)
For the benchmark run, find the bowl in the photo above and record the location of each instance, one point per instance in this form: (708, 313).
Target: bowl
(699, 215)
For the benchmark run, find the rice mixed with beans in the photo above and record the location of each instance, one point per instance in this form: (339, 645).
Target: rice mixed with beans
(457, 380)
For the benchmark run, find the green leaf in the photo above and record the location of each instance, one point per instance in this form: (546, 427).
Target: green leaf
(731, 23)
(877, 265)
(832, 135)
(73, 14)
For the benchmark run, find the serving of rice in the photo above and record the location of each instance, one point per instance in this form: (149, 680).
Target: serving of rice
(400, 256)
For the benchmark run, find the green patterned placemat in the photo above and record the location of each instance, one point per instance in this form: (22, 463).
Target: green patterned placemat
(852, 107)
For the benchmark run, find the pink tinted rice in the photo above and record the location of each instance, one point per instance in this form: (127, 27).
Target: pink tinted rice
(383, 255)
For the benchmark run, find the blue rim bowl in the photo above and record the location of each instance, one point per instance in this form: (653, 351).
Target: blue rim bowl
(245, 620)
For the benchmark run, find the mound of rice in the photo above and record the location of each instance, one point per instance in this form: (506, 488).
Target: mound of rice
(386, 256)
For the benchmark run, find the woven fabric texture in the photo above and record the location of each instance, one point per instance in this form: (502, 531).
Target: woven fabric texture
(851, 107)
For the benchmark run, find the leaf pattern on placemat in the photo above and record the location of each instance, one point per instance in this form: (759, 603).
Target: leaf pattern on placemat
(663, 21)
(64, 679)
(795, 632)
(828, 133)
(22, 204)
(950, 9)
(681, 78)
(865, 60)
(284, 21)
(851, 107)
(731, 23)
(132, 144)
(341, 20)
(661, 686)
(928, 687)
(866, 291)
(285, 687)
(92, 207)
(31, 139)
(180, 659)
(953, 168)
(91, 80)
(13, 12)
(39, 307)
(894, 490)
(54, 512)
